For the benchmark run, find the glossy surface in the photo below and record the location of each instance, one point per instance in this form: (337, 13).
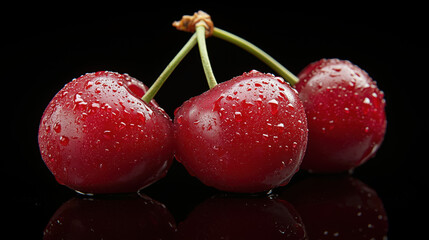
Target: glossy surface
(241, 217)
(340, 207)
(247, 134)
(97, 136)
(126, 217)
(345, 113)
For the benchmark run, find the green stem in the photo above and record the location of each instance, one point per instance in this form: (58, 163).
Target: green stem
(151, 92)
(201, 31)
(257, 52)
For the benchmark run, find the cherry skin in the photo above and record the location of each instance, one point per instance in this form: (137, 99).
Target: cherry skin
(247, 134)
(98, 136)
(346, 116)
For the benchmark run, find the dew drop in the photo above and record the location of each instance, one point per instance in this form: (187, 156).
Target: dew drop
(346, 110)
(238, 116)
(216, 105)
(122, 125)
(141, 117)
(337, 69)
(107, 134)
(294, 145)
(366, 130)
(78, 98)
(331, 125)
(367, 101)
(265, 136)
(57, 127)
(64, 140)
(280, 80)
(95, 105)
(281, 127)
(274, 106)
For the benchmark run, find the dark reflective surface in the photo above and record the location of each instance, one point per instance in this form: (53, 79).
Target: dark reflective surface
(314, 207)
(338, 207)
(45, 49)
(111, 217)
(241, 217)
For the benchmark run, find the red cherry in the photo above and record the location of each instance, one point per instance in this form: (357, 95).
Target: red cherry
(97, 135)
(248, 134)
(346, 117)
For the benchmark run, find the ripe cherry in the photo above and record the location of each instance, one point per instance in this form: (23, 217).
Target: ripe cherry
(98, 136)
(346, 117)
(248, 134)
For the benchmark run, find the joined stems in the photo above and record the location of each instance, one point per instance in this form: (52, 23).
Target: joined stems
(151, 92)
(257, 52)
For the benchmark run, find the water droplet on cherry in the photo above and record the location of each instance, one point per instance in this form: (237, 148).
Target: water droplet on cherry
(274, 104)
(57, 127)
(122, 125)
(238, 116)
(107, 134)
(142, 117)
(265, 136)
(346, 110)
(89, 84)
(64, 140)
(294, 145)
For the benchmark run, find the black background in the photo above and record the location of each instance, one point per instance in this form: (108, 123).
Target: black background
(45, 49)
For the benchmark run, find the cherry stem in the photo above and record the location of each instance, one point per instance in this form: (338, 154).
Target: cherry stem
(257, 52)
(201, 37)
(151, 92)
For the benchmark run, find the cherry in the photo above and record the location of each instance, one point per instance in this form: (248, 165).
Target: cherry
(248, 134)
(346, 117)
(98, 136)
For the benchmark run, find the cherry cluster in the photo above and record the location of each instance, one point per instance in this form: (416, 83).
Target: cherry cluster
(104, 133)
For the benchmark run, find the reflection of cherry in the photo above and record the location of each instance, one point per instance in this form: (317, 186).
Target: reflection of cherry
(247, 134)
(243, 218)
(346, 117)
(116, 218)
(337, 207)
(98, 136)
